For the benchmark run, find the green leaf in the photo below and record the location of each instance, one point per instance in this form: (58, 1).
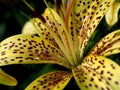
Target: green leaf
(29, 49)
(6, 79)
(97, 73)
(108, 45)
(56, 80)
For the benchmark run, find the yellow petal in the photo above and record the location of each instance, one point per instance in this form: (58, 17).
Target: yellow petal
(6, 79)
(29, 28)
(94, 15)
(112, 14)
(84, 17)
(59, 32)
(56, 80)
(43, 31)
(56, 24)
(27, 49)
(108, 45)
(97, 73)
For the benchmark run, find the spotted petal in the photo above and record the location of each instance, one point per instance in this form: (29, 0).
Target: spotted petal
(56, 25)
(56, 80)
(6, 79)
(97, 73)
(59, 32)
(27, 49)
(84, 17)
(53, 30)
(108, 45)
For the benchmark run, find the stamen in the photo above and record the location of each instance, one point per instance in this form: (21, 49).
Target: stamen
(28, 5)
(66, 42)
(68, 12)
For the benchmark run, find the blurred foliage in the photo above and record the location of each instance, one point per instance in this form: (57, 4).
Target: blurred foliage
(13, 15)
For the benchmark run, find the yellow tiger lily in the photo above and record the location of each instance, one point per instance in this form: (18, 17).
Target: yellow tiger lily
(63, 35)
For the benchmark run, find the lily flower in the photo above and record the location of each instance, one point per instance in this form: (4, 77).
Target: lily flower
(6, 79)
(112, 13)
(63, 35)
